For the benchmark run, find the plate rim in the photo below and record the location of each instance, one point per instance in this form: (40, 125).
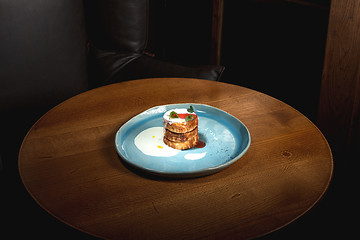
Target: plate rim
(196, 173)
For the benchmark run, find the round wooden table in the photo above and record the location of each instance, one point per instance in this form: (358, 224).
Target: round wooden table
(69, 164)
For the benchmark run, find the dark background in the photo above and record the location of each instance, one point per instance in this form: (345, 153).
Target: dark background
(276, 47)
(273, 46)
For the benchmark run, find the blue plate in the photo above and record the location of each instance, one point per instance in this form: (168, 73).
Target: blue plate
(226, 140)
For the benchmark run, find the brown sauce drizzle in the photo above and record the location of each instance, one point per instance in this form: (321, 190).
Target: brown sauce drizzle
(200, 144)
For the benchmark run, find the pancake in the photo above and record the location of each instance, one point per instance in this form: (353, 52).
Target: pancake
(192, 142)
(181, 128)
(180, 137)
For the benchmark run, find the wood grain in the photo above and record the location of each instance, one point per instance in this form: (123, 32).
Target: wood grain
(216, 31)
(69, 164)
(339, 106)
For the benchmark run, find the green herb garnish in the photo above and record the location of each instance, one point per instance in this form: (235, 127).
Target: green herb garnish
(189, 117)
(190, 109)
(173, 114)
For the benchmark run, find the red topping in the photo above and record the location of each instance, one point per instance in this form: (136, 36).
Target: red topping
(184, 115)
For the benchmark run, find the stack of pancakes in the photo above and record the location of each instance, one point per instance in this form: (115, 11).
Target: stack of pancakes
(180, 133)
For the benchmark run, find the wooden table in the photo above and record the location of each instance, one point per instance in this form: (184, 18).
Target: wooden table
(69, 165)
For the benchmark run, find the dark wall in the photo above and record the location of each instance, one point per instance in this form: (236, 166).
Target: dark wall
(277, 47)
(181, 30)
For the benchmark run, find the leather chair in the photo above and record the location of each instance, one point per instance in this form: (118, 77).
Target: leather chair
(119, 35)
(44, 58)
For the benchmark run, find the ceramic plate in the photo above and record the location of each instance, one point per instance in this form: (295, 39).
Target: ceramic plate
(139, 142)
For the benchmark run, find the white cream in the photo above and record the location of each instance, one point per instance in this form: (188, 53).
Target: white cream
(150, 142)
(194, 156)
